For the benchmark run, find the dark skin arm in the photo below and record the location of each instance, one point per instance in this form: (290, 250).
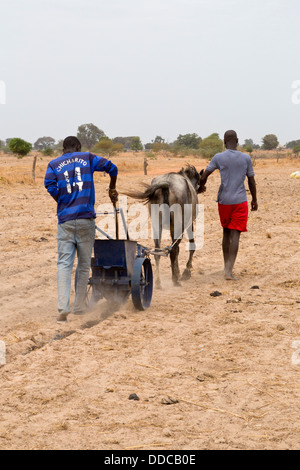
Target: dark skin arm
(203, 180)
(112, 192)
(252, 189)
(113, 181)
(251, 183)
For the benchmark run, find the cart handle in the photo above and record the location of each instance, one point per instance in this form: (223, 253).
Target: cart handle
(115, 212)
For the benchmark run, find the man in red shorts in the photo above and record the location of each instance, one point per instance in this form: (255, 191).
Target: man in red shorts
(234, 166)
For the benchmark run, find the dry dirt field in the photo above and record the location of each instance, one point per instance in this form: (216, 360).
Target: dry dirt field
(211, 372)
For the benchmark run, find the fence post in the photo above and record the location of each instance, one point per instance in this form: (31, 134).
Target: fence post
(145, 166)
(33, 167)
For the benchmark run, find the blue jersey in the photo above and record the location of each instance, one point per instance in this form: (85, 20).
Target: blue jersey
(70, 178)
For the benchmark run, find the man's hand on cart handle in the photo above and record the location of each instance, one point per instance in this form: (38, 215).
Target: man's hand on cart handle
(113, 194)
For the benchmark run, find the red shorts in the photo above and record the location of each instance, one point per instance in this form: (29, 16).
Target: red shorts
(234, 216)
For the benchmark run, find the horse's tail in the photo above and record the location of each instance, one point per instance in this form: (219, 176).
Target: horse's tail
(155, 193)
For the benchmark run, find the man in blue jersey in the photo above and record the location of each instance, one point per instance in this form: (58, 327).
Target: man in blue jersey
(69, 180)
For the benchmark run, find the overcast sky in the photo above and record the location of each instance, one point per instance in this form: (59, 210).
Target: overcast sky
(150, 67)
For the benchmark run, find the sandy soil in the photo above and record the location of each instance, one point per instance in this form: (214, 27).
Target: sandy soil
(210, 372)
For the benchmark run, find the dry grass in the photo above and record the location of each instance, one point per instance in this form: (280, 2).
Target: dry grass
(19, 171)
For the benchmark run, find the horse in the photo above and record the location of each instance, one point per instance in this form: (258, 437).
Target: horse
(172, 201)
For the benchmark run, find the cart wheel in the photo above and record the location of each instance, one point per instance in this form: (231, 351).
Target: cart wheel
(92, 296)
(142, 283)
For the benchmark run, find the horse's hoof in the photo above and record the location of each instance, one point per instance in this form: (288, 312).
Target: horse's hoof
(177, 284)
(186, 275)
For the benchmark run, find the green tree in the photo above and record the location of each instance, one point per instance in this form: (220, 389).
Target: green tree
(160, 146)
(148, 146)
(270, 142)
(136, 144)
(249, 148)
(296, 150)
(19, 146)
(159, 140)
(248, 142)
(292, 144)
(44, 143)
(191, 141)
(107, 146)
(125, 141)
(89, 135)
(211, 145)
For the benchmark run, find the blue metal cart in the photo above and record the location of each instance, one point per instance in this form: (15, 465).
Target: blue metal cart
(120, 268)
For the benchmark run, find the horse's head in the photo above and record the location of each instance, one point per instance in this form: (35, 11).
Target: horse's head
(192, 174)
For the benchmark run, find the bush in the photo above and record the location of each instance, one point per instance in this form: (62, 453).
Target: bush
(136, 144)
(296, 150)
(19, 146)
(249, 149)
(160, 146)
(107, 146)
(210, 146)
(48, 152)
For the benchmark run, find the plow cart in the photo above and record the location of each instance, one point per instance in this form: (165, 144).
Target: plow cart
(120, 269)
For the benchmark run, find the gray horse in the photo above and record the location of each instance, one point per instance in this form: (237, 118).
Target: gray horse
(172, 201)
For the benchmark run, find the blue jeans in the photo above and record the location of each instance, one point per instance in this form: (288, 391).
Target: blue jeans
(74, 236)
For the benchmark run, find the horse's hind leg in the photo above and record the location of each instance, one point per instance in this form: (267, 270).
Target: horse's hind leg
(157, 242)
(187, 272)
(174, 253)
(157, 260)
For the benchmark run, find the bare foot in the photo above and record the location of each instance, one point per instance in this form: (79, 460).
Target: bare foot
(230, 277)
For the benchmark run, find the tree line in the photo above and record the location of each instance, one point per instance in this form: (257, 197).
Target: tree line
(94, 139)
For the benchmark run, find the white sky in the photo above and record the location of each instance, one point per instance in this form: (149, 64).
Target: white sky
(150, 67)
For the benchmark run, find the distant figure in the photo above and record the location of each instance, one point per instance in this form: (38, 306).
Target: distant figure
(234, 166)
(69, 180)
(145, 165)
